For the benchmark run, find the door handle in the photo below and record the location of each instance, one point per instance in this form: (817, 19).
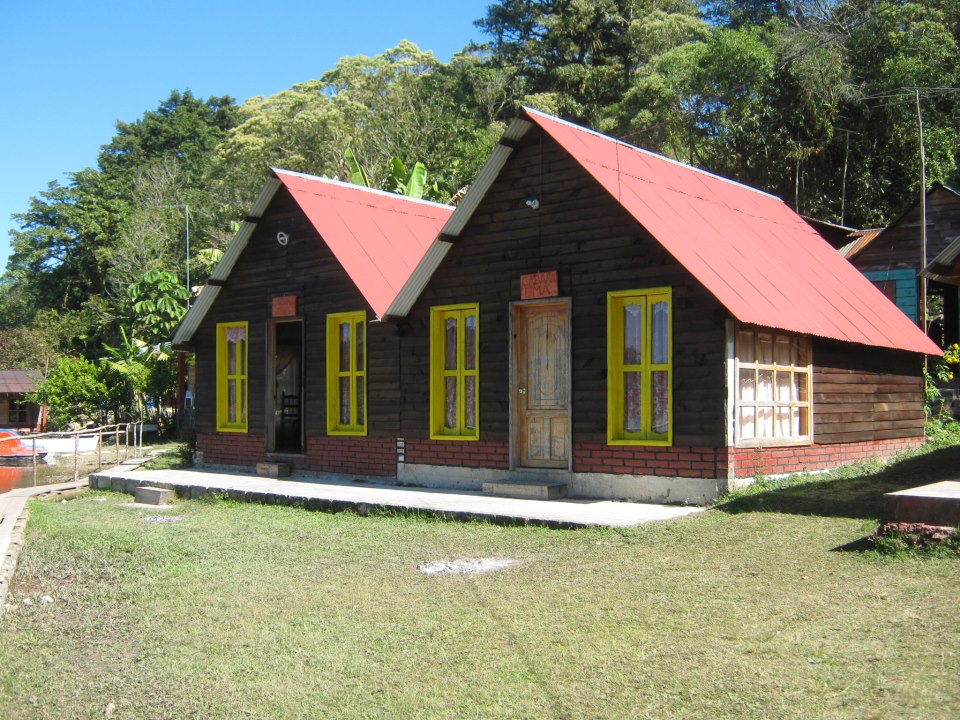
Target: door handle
(522, 390)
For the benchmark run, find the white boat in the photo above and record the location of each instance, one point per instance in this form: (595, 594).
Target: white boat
(65, 444)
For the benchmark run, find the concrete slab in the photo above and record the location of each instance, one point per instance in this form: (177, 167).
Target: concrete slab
(934, 504)
(153, 496)
(319, 494)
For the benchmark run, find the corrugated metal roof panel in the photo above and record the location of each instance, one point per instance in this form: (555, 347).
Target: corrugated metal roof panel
(748, 248)
(945, 267)
(15, 382)
(379, 238)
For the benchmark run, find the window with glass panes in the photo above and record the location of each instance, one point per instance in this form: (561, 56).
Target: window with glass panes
(773, 394)
(640, 367)
(347, 373)
(18, 411)
(232, 340)
(454, 373)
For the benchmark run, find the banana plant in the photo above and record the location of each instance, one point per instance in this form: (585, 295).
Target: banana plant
(399, 180)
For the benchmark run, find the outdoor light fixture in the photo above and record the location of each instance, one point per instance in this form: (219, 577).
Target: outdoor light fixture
(283, 238)
(533, 204)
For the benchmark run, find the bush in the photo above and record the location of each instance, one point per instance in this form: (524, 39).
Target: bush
(74, 391)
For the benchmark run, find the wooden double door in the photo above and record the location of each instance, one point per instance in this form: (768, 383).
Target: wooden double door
(540, 373)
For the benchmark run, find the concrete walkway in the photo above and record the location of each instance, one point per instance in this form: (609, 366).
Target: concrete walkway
(331, 495)
(13, 519)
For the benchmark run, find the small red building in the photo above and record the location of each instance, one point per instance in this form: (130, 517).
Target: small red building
(591, 314)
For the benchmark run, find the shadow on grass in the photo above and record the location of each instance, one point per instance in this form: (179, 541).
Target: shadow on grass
(853, 494)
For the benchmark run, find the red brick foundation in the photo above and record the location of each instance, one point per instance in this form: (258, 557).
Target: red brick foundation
(351, 455)
(348, 455)
(697, 462)
(747, 462)
(378, 456)
(456, 453)
(231, 448)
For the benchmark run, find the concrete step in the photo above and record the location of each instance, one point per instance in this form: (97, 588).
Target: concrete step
(153, 495)
(526, 489)
(274, 469)
(935, 504)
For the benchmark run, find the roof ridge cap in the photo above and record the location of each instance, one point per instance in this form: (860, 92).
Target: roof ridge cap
(643, 151)
(361, 188)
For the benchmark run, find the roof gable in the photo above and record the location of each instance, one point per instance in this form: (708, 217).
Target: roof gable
(377, 237)
(760, 259)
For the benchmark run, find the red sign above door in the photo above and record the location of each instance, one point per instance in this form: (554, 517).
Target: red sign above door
(539, 285)
(285, 306)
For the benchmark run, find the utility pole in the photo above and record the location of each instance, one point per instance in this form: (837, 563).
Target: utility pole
(923, 218)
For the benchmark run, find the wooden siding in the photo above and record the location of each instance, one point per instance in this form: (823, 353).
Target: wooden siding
(305, 268)
(862, 393)
(596, 247)
(899, 245)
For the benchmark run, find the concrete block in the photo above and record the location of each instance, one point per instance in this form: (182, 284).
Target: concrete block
(526, 489)
(274, 469)
(153, 496)
(934, 504)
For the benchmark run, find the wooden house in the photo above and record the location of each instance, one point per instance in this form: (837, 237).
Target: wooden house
(591, 314)
(891, 258)
(16, 411)
(287, 333)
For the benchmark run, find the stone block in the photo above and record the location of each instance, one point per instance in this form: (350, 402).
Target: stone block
(274, 469)
(153, 496)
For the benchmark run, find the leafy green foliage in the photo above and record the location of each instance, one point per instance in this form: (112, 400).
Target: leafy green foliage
(75, 390)
(159, 302)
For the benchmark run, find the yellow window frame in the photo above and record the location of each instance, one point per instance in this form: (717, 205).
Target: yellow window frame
(240, 378)
(356, 373)
(438, 374)
(617, 367)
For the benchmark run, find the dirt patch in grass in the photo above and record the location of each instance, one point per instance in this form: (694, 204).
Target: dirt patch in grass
(465, 566)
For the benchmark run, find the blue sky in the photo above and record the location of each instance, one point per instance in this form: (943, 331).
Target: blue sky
(70, 70)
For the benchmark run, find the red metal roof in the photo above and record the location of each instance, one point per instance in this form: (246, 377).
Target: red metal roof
(378, 237)
(15, 382)
(749, 249)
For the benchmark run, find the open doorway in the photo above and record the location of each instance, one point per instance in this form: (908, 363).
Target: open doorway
(285, 387)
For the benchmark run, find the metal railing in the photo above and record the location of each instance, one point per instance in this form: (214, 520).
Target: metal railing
(131, 431)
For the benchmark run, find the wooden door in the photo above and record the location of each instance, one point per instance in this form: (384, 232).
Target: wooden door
(542, 385)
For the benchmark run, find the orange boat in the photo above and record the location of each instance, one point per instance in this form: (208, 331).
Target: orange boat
(13, 451)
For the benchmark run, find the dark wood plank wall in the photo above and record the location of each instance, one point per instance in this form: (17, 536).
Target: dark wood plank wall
(597, 247)
(899, 245)
(305, 268)
(862, 393)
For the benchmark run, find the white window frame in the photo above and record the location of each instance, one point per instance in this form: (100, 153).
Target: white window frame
(777, 431)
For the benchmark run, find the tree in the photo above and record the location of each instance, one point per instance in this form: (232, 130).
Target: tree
(74, 392)
(80, 244)
(158, 302)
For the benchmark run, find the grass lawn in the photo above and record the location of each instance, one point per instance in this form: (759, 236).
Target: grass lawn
(755, 609)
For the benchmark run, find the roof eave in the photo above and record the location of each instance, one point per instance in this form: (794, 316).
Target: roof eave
(196, 314)
(431, 260)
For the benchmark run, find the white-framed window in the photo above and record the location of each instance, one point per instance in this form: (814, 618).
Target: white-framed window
(773, 401)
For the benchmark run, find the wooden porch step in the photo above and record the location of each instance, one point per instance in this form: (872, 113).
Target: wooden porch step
(935, 504)
(526, 489)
